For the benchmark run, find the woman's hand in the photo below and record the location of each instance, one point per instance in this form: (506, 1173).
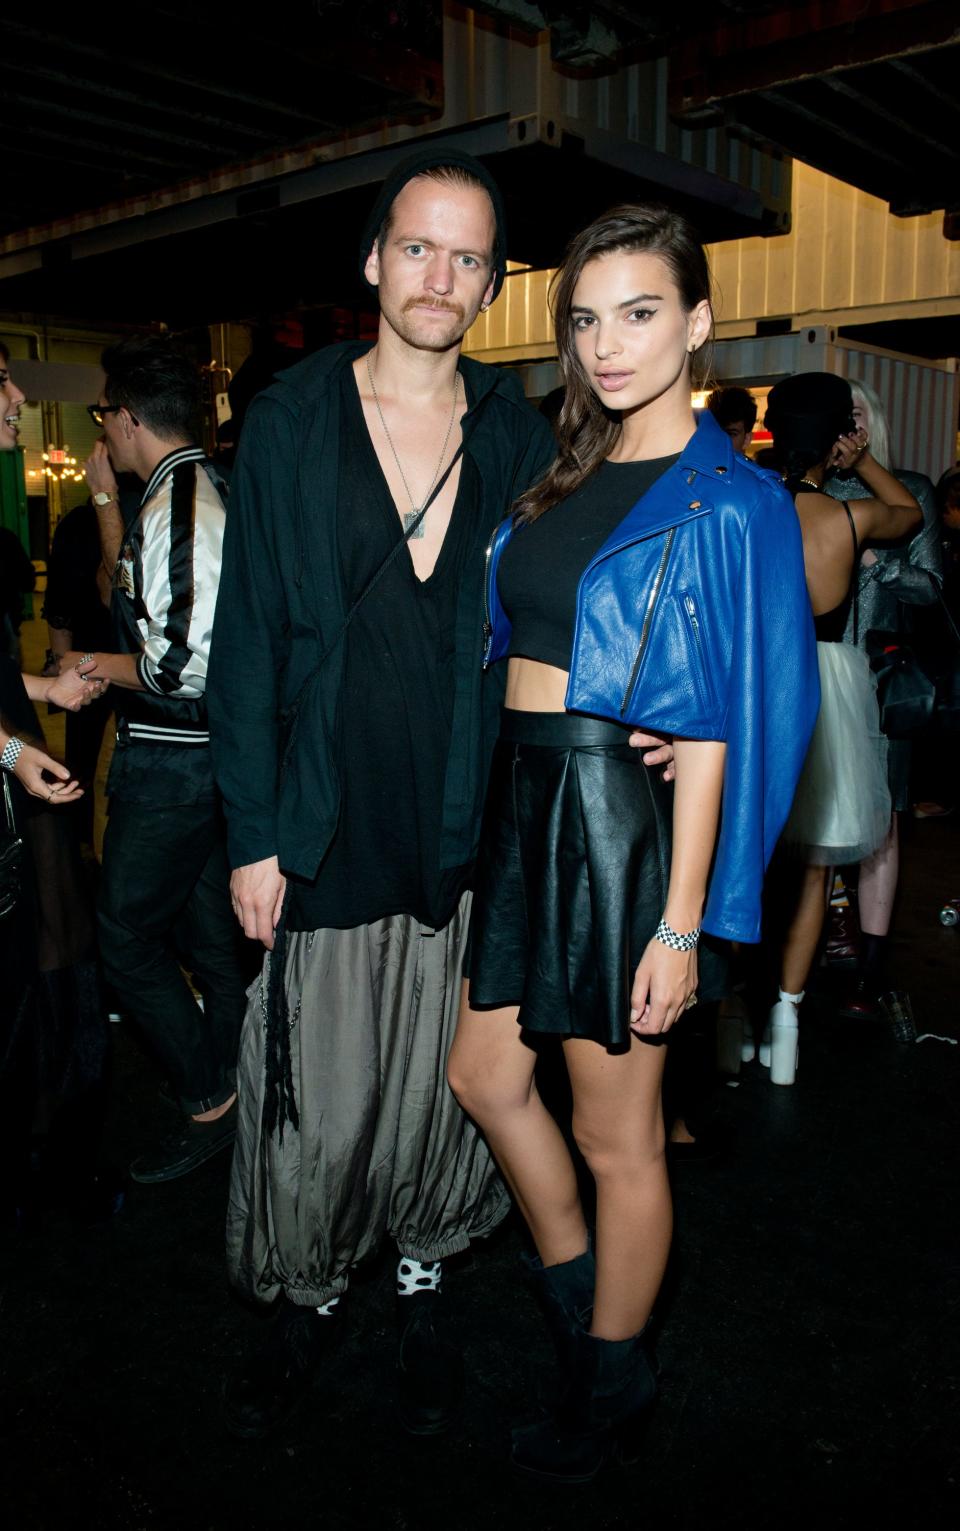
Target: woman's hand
(665, 983)
(75, 688)
(29, 769)
(848, 451)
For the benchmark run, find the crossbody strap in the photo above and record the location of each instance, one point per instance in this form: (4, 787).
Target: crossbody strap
(855, 578)
(375, 579)
(294, 710)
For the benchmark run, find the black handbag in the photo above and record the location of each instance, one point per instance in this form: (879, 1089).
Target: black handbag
(918, 680)
(11, 856)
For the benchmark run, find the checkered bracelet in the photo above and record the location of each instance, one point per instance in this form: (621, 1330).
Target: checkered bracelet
(667, 936)
(11, 753)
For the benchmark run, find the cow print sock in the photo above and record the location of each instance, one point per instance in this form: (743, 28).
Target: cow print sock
(414, 1276)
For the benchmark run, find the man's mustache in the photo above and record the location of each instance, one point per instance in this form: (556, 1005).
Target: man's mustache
(450, 308)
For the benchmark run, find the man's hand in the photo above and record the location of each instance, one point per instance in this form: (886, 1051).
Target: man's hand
(29, 769)
(98, 471)
(256, 893)
(658, 752)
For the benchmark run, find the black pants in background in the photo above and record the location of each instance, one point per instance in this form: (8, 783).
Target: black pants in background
(164, 900)
(84, 736)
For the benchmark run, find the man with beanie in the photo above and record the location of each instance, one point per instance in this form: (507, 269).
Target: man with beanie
(352, 758)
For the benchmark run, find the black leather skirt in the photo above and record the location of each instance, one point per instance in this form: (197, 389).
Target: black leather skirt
(572, 875)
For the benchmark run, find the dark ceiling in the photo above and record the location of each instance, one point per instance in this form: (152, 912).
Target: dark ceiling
(113, 105)
(121, 106)
(865, 90)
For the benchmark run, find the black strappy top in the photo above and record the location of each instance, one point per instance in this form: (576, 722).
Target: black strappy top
(831, 625)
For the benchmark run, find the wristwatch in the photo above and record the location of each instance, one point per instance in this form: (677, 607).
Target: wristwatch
(103, 498)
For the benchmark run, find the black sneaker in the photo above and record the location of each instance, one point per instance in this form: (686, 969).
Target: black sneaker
(273, 1381)
(189, 1144)
(429, 1368)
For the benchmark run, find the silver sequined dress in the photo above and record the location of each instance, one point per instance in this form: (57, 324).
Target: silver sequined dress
(899, 574)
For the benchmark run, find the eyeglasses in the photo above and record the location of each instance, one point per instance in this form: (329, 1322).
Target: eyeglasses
(97, 412)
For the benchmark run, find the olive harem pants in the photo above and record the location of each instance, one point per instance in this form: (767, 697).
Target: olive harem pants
(382, 1148)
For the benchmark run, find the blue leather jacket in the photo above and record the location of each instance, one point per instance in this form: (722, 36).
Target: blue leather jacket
(693, 620)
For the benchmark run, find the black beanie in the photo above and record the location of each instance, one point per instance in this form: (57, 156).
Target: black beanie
(416, 164)
(807, 413)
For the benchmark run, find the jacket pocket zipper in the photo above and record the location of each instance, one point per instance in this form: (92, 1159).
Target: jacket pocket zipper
(648, 618)
(690, 606)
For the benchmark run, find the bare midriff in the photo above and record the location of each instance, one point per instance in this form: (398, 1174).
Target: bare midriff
(535, 687)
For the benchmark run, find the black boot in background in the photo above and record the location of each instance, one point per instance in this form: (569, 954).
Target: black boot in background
(429, 1367)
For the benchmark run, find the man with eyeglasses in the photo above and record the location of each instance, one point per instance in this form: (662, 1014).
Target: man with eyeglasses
(164, 893)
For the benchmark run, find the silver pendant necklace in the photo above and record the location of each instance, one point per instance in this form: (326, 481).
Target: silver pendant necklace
(409, 516)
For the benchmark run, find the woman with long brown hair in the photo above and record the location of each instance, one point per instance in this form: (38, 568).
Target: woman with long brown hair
(654, 578)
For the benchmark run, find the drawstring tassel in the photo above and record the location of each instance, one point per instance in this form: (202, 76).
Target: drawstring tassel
(279, 1100)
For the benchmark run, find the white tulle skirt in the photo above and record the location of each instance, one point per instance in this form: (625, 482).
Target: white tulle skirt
(841, 811)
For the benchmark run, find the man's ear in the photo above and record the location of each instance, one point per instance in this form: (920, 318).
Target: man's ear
(127, 423)
(487, 298)
(371, 267)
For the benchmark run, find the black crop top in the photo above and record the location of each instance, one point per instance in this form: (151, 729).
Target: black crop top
(542, 563)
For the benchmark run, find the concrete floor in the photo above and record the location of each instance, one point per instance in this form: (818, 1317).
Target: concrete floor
(808, 1331)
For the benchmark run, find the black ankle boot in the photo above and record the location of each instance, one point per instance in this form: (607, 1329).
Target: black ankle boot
(565, 1295)
(270, 1384)
(601, 1412)
(429, 1367)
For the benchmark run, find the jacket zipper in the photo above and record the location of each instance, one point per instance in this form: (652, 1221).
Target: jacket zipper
(487, 624)
(648, 618)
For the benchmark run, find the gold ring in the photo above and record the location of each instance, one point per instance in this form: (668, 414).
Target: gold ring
(690, 1002)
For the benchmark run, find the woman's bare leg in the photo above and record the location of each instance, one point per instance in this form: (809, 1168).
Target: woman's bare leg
(804, 929)
(491, 1072)
(878, 884)
(618, 1125)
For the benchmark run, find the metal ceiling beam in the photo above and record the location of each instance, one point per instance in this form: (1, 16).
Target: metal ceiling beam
(930, 91)
(801, 42)
(128, 98)
(871, 107)
(40, 106)
(490, 136)
(795, 108)
(141, 64)
(118, 156)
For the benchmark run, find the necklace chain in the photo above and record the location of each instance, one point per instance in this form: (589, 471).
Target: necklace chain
(414, 511)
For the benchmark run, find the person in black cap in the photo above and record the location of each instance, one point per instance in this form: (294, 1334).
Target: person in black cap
(353, 760)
